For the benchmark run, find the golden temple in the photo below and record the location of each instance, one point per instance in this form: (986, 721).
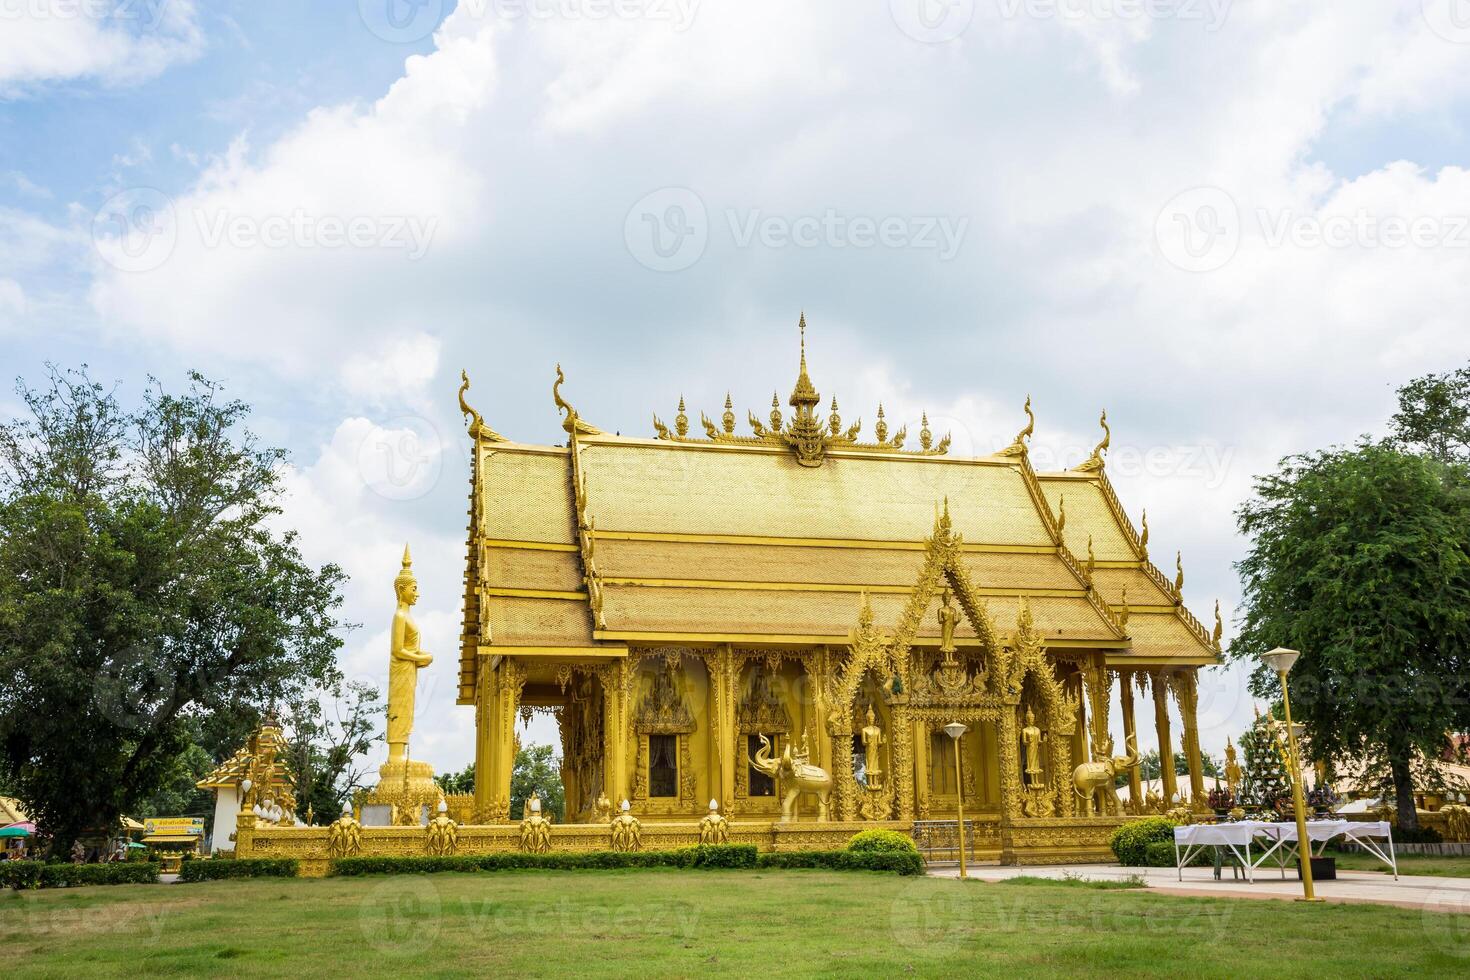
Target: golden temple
(774, 627)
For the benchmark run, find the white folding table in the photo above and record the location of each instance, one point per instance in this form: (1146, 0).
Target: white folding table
(1236, 837)
(1281, 840)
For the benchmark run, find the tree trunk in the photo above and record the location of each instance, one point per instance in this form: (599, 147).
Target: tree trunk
(1403, 791)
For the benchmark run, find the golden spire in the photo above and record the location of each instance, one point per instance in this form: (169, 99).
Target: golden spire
(926, 438)
(1095, 461)
(882, 427)
(1179, 571)
(681, 421)
(1219, 633)
(834, 422)
(729, 417)
(775, 412)
(405, 574)
(805, 393)
(478, 428)
(1018, 444)
(1143, 538)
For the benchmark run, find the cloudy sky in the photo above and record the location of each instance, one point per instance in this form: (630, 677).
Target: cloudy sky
(1237, 226)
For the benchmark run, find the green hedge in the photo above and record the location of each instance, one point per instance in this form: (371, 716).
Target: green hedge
(893, 861)
(882, 842)
(38, 874)
(215, 869)
(703, 856)
(1160, 854)
(1130, 842)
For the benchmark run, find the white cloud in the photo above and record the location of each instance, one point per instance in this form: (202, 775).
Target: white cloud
(48, 41)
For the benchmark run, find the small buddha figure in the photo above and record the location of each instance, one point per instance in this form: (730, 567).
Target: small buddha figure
(1232, 768)
(404, 663)
(872, 743)
(1031, 739)
(949, 617)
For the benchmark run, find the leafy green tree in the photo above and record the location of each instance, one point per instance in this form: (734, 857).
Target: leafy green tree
(144, 582)
(328, 756)
(537, 768)
(1434, 416)
(459, 782)
(177, 795)
(1360, 559)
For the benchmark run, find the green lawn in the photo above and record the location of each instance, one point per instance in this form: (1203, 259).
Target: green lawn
(721, 923)
(1409, 864)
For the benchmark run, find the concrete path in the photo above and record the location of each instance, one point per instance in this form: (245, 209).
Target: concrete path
(1410, 891)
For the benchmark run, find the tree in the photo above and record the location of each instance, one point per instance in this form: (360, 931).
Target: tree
(537, 769)
(326, 755)
(1434, 416)
(1266, 780)
(144, 582)
(1360, 559)
(177, 795)
(459, 782)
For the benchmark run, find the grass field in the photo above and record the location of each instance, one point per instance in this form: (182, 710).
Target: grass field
(1409, 864)
(683, 924)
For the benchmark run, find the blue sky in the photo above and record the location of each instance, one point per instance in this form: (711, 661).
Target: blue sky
(1237, 226)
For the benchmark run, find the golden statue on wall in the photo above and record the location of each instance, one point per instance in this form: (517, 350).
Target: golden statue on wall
(797, 775)
(344, 836)
(1233, 772)
(1091, 777)
(441, 833)
(872, 746)
(535, 828)
(627, 832)
(1031, 739)
(713, 827)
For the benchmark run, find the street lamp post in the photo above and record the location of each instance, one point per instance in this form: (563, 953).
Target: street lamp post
(955, 730)
(1281, 661)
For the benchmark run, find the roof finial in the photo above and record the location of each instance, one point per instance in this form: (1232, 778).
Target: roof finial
(805, 393)
(729, 416)
(776, 412)
(573, 422)
(1095, 461)
(834, 422)
(681, 421)
(1219, 633)
(1143, 538)
(926, 438)
(1091, 560)
(1018, 444)
(478, 428)
(882, 427)
(1123, 611)
(1179, 570)
(1061, 514)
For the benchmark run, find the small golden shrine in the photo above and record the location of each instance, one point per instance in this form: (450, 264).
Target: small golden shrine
(254, 779)
(760, 637)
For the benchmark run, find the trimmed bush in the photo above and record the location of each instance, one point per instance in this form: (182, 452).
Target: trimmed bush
(890, 861)
(38, 874)
(1130, 842)
(882, 842)
(1160, 854)
(215, 869)
(703, 856)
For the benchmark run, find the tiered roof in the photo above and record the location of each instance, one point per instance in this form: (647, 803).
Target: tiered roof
(771, 538)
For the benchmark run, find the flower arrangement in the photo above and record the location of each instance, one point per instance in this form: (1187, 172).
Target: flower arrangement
(1323, 798)
(1221, 799)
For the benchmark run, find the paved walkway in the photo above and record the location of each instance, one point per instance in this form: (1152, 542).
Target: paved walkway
(1410, 891)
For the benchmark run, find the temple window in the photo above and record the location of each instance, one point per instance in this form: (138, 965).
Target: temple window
(941, 763)
(663, 765)
(760, 783)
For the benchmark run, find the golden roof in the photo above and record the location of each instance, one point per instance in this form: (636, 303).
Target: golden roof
(772, 538)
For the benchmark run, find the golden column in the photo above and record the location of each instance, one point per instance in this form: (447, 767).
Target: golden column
(1186, 694)
(1130, 736)
(921, 769)
(1160, 681)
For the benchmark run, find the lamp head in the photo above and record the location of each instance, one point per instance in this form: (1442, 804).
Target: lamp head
(955, 729)
(1280, 659)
